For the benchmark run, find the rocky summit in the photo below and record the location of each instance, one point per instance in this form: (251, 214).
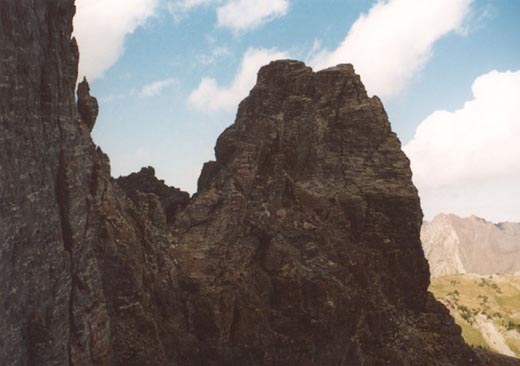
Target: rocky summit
(301, 246)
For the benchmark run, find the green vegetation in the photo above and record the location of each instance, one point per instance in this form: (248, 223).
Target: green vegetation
(513, 326)
(478, 303)
(515, 347)
(473, 336)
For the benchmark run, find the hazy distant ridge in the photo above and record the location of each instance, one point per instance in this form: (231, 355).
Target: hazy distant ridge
(470, 245)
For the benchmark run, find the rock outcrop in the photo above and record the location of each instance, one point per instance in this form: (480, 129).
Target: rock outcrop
(300, 248)
(81, 265)
(455, 245)
(172, 199)
(88, 108)
(303, 246)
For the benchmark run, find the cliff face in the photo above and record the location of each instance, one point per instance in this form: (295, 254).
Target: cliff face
(80, 262)
(43, 206)
(470, 245)
(301, 247)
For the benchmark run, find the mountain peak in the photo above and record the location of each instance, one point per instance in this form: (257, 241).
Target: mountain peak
(458, 245)
(300, 248)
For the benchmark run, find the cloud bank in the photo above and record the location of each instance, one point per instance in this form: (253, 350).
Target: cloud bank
(243, 15)
(210, 96)
(391, 43)
(237, 15)
(468, 161)
(101, 26)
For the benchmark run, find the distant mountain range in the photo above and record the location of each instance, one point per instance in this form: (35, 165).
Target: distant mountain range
(456, 245)
(465, 254)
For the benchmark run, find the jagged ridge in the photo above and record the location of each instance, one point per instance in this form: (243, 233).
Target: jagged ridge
(301, 247)
(470, 245)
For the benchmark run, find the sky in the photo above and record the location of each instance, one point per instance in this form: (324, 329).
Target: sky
(169, 75)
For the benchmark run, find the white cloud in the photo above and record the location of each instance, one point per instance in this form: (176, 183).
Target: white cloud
(215, 54)
(179, 7)
(242, 15)
(210, 96)
(468, 161)
(189, 4)
(239, 15)
(101, 26)
(391, 43)
(156, 88)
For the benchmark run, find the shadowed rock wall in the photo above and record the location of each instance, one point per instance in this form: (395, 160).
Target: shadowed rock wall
(300, 248)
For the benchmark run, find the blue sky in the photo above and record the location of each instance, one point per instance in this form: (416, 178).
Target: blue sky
(169, 75)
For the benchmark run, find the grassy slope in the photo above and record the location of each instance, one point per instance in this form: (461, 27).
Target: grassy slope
(489, 298)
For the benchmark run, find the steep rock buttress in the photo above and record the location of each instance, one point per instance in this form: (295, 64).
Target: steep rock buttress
(302, 245)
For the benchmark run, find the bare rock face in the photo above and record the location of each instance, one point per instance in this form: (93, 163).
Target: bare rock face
(80, 263)
(43, 202)
(302, 245)
(172, 199)
(88, 108)
(300, 248)
(455, 245)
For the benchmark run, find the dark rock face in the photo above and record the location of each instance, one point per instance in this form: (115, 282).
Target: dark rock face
(88, 108)
(80, 263)
(40, 140)
(172, 199)
(301, 247)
